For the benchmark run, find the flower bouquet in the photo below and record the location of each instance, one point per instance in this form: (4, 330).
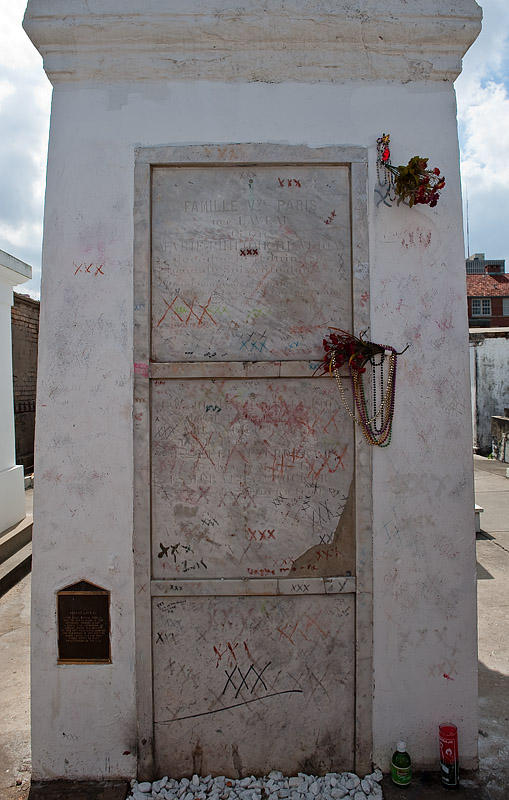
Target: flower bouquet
(412, 183)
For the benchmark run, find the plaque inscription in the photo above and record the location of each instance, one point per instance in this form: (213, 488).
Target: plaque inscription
(249, 263)
(83, 612)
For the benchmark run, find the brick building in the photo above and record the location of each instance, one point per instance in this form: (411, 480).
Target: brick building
(487, 292)
(25, 333)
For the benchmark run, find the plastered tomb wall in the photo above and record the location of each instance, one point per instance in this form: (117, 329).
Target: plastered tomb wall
(424, 590)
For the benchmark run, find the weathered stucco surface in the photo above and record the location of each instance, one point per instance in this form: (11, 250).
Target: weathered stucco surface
(246, 476)
(295, 659)
(490, 382)
(424, 630)
(271, 41)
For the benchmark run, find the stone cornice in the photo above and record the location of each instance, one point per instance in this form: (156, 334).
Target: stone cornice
(264, 40)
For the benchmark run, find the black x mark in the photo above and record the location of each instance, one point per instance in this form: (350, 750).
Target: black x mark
(164, 550)
(244, 678)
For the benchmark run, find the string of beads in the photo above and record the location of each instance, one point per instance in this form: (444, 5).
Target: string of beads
(374, 433)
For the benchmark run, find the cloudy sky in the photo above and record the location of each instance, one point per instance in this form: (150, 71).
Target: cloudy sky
(483, 114)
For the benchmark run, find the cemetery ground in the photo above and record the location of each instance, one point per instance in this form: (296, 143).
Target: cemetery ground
(492, 782)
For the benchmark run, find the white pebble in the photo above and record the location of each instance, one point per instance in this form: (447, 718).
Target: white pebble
(274, 786)
(352, 781)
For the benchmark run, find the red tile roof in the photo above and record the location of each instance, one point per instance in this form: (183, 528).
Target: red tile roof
(488, 285)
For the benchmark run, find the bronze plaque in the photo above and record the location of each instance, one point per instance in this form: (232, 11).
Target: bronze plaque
(83, 624)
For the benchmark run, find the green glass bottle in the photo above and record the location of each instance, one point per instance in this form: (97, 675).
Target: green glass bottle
(401, 766)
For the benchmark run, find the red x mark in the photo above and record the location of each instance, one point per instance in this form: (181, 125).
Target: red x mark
(315, 473)
(203, 447)
(236, 448)
(192, 312)
(289, 637)
(205, 311)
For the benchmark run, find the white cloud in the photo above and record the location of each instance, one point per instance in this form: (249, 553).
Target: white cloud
(6, 88)
(20, 234)
(25, 95)
(483, 117)
(485, 122)
(14, 52)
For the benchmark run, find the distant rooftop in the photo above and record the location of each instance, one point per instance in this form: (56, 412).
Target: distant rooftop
(478, 264)
(11, 267)
(486, 285)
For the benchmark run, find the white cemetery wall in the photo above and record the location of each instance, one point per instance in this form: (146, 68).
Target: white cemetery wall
(84, 718)
(12, 485)
(490, 378)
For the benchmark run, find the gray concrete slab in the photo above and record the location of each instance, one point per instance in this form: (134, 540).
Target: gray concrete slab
(427, 786)
(78, 790)
(483, 464)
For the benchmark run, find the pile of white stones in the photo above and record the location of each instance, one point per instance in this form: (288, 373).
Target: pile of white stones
(274, 786)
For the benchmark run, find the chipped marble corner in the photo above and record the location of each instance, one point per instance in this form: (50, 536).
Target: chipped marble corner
(338, 557)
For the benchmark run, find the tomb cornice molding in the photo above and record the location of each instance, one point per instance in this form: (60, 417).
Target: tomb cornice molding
(271, 41)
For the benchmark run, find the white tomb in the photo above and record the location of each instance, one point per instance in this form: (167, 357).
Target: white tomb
(12, 480)
(281, 596)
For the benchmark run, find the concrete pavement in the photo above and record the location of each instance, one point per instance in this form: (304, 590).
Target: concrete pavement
(492, 493)
(492, 781)
(15, 692)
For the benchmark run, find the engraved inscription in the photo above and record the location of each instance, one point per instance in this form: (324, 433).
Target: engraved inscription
(227, 252)
(83, 624)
